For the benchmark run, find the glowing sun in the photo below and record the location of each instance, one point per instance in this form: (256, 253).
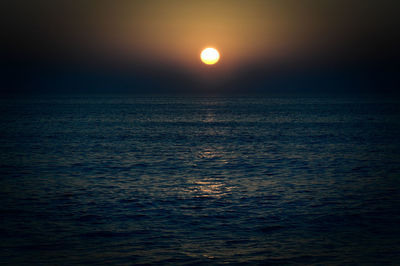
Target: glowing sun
(209, 56)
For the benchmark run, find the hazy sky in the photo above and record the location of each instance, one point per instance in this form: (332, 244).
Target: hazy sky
(174, 32)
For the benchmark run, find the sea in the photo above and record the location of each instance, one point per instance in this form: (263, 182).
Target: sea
(196, 180)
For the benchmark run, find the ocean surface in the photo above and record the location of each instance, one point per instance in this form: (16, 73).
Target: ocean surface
(199, 180)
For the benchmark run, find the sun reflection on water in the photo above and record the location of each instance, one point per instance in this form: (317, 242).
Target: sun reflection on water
(209, 188)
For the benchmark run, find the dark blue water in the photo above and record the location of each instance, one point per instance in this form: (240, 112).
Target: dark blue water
(128, 180)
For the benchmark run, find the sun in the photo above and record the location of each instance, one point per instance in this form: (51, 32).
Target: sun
(209, 56)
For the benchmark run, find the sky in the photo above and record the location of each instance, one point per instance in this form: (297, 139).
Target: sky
(155, 45)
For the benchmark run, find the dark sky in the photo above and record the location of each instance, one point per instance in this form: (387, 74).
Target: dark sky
(134, 46)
